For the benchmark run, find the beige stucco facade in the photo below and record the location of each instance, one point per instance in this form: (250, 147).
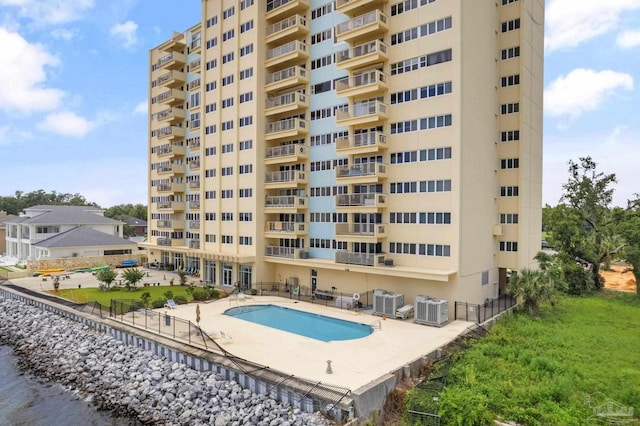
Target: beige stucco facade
(359, 144)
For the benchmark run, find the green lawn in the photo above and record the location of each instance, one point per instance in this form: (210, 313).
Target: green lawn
(539, 371)
(93, 294)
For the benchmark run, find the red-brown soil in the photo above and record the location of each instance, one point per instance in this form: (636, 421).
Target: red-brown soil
(615, 279)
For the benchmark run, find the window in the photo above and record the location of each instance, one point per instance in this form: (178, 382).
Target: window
(245, 4)
(508, 218)
(194, 120)
(511, 80)
(211, 86)
(210, 150)
(246, 145)
(315, 13)
(421, 31)
(511, 25)
(210, 108)
(246, 241)
(245, 121)
(246, 26)
(210, 216)
(509, 163)
(226, 103)
(246, 49)
(512, 52)
(210, 195)
(228, 12)
(246, 73)
(212, 64)
(227, 80)
(421, 93)
(246, 168)
(509, 108)
(246, 192)
(227, 239)
(227, 125)
(508, 246)
(227, 57)
(210, 238)
(210, 173)
(421, 124)
(227, 171)
(246, 97)
(322, 62)
(210, 129)
(508, 191)
(226, 217)
(407, 5)
(194, 99)
(212, 42)
(246, 217)
(322, 36)
(212, 21)
(228, 147)
(505, 2)
(228, 35)
(509, 136)
(227, 193)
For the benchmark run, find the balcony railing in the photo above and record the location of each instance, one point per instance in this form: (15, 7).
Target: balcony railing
(358, 170)
(361, 50)
(360, 80)
(285, 227)
(194, 244)
(286, 23)
(194, 164)
(194, 224)
(166, 132)
(282, 50)
(361, 229)
(277, 251)
(194, 184)
(165, 224)
(194, 204)
(285, 151)
(375, 16)
(353, 258)
(291, 72)
(362, 140)
(164, 242)
(285, 125)
(288, 201)
(361, 200)
(285, 176)
(361, 109)
(286, 99)
(274, 5)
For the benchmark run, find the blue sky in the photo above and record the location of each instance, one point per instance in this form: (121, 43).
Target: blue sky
(73, 93)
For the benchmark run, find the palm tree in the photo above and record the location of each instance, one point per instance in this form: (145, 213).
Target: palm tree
(532, 287)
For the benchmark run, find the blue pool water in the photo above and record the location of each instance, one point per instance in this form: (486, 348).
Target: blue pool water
(306, 324)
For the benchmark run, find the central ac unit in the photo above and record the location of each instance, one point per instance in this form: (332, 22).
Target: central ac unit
(386, 303)
(431, 311)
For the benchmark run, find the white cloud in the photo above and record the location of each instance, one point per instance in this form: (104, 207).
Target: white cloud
(53, 12)
(65, 34)
(141, 108)
(571, 22)
(628, 39)
(66, 123)
(22, 75)
(583, 90)
(125, 32)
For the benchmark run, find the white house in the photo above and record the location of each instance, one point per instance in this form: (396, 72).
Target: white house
(64, 231)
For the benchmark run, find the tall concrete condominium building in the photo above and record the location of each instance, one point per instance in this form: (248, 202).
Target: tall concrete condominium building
(350, 144)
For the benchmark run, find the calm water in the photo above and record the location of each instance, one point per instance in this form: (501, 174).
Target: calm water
(26, 401)
(306, 324)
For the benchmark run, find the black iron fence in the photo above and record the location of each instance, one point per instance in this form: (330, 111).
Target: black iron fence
(319, 296)
(487, 310)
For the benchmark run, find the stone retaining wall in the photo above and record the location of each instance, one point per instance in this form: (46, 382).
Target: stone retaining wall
(70, 263)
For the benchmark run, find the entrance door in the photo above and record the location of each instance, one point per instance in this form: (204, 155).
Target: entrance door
(227, 274)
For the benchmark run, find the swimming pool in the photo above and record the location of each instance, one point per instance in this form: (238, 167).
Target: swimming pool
(306, 324)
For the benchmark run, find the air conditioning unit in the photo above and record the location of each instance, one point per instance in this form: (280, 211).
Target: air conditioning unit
(386, 303)
(388, 262)
(430, 311)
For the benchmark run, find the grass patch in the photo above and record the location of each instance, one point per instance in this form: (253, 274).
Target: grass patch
(93, 294)
(540, 370)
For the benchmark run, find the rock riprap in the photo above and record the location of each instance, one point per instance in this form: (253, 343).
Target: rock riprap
(131, 382)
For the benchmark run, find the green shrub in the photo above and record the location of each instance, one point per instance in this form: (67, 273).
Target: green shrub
(180, 300)
(168, 294)
(145, 298)
(578, 280)
(200, 294)
(158, 303)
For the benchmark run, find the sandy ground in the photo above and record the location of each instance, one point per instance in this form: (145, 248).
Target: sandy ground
(615, 279)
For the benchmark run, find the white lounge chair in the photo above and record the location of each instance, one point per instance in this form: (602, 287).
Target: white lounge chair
(171, 304)
(226, 337)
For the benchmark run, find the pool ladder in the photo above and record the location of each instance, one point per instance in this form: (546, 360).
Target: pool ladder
(376, 325)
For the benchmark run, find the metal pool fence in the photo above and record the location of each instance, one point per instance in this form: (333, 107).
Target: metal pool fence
(487, 310)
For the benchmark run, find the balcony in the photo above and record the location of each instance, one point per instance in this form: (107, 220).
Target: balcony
(287, 103)
(170, 187)
(287, 54)
(194, 244)
(274, 229)
(194, 65)
(170, 150)
(362, 143)
(285, 203)
(171, 115)
(357, 7)
(178, 42)
(171, 97)
(194, 165)
(164, 224)
(170, 133)
(367, 112)
(194, 205)
(194, 224)
(174, 169)
(171, 79)
(363, 259)
(194, 184)
(195, 45)
(362, 173)
(286, 129)
(171, 242)
(286, 252)
(364, 54)
(283, 79)
(171, 61)
(364, 83)
(286, 179)
(372, 24)
(279, 9)
(194, 143)
(294, 27)
(354, 203)
(360, 231)
(170, 206)
(283, 154)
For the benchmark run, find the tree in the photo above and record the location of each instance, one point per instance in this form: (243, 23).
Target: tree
(532, 287)
(132, 276)
(20, 200)
(589, 193)
(629, 229)
(106, 276)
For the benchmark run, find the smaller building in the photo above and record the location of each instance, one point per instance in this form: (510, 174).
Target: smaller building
(3, 231)
(139, 225)
(42, 232)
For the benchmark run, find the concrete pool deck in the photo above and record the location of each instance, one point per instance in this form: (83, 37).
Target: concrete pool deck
(355, 363)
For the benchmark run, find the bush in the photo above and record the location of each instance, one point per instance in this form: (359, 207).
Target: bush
(180, 300)
(200, 294)
(577, 279)
(145, 298)
(158, 303)
(168, 294)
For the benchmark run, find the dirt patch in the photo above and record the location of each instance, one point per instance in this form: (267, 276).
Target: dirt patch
(615, 279)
